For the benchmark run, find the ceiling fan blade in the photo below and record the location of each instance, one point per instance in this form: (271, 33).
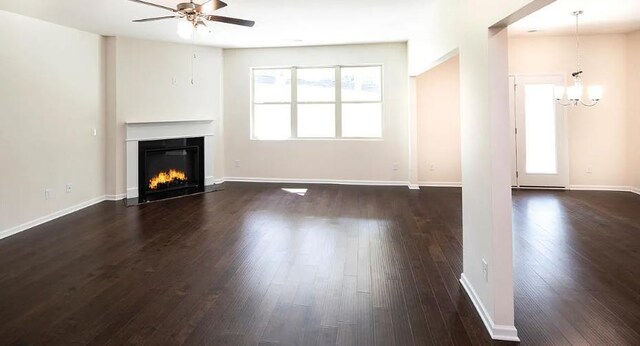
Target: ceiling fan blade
(154, 5)
(154, 18)
(230, 20)
(210, 6)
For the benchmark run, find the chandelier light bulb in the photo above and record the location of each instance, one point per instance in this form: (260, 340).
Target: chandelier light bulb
(185, 29)
(595, 92)
(574, 92)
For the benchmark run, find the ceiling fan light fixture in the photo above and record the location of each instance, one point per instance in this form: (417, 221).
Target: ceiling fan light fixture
(193, 16)
(185, 29)
(202, 29)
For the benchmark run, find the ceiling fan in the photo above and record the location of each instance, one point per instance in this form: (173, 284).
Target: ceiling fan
(193, 16)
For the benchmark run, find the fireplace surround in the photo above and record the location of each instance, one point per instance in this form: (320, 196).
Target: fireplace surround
(169, 158)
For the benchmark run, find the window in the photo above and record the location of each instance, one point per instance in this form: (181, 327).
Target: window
(272, 104)
(319, 102)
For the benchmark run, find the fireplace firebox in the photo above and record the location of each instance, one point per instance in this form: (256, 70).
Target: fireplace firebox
(170, 168)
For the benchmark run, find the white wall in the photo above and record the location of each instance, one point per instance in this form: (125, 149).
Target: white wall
(486, 195)
(633, 107)
(362, 160)
(141, 87)
(51, 97)
(597, 135)
(438, 105)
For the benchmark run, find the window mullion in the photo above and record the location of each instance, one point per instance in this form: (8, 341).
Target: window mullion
(338, 108)
(294, 102)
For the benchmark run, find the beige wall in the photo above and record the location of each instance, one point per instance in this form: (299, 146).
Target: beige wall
(438, 104)
(140, 76)
(352, 160)
(633, 107)
(597, 135)
(600, 137)
(51, 97)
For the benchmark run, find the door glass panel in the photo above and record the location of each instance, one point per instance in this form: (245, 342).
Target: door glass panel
(540, 128)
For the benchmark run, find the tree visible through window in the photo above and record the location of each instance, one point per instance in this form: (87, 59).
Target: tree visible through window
(319, 102)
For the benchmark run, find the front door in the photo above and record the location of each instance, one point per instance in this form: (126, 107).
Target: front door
(539, 133)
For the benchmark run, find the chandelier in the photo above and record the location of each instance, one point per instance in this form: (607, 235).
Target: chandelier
(575, 93)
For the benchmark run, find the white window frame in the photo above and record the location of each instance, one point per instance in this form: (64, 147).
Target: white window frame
(337, 102)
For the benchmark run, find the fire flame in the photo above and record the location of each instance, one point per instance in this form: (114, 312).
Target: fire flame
(167, 177)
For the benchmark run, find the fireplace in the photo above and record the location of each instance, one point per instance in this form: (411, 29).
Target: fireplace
(170, 168)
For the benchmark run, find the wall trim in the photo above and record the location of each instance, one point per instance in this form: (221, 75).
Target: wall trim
(636, 190)
(496, 331)
(316, 181)
(414, 187)
(118, 197)
(603, 188)
(39, 221)
(440, 183)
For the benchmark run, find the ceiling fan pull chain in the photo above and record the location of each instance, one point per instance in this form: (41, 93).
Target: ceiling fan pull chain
(193, 57)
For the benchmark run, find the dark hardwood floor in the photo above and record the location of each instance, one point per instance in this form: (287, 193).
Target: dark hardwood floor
(340, 265)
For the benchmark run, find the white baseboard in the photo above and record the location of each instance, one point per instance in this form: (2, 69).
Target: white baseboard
(25, 226)
(115, 197)
(497, 332)
(316, 181)
(603, 188)
(636, 190)
(414, 187)
(440, 183)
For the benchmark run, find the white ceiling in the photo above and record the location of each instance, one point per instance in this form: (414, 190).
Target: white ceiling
(600, 17)
(278, 22)
(281, 23)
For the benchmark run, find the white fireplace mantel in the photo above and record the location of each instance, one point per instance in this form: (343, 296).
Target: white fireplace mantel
(137, 131)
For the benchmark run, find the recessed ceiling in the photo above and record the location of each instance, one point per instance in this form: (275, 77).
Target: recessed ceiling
(279, 23)
(600, 17)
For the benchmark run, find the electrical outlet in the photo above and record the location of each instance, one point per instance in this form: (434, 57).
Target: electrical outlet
(174, 81)
(395, 166)
(589, 170)
(432, 168)
(48, 193)
(69, 187)
(485, 270)
(237, 163)
(94, 132)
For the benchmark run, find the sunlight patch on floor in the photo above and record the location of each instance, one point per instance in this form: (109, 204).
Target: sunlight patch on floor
(299, 192)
